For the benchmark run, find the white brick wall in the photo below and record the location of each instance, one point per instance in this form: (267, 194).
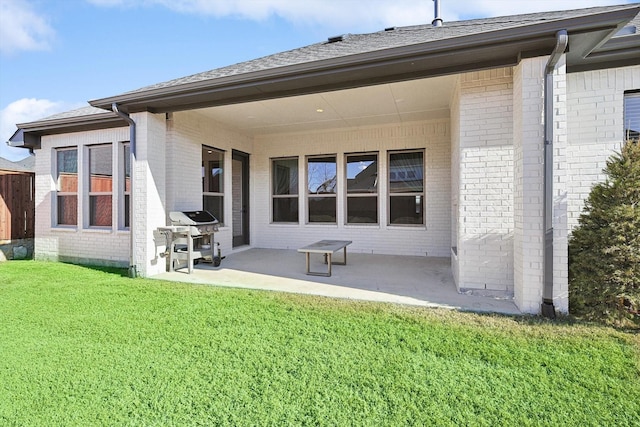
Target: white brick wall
(433, 239)
(149, 195)
(455, 184)
(484, 175)
(187, 132)
(528, 137)
(595, 128)
(80, 244)
(559, 193)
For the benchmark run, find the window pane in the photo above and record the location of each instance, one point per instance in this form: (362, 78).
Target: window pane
(362, 174)
(285, 176)
(406, 171)
(126, 210)
(127, 168)
(322, 209)
(212, 170)
(632, 115)
(362, 210)
(100, 169)
(100, 211)
(67, 164)
(405, 210)
(285, 209)
(321, 175)
(213, 205)
(67, 210)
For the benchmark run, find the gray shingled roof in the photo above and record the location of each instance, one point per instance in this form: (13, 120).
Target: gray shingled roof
(79, 112)
(353, 44)
(25, 165)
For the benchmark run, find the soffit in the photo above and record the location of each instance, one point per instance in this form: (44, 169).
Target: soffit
(387, 103)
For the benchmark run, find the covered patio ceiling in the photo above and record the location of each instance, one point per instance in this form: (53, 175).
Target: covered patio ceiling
(399, 102)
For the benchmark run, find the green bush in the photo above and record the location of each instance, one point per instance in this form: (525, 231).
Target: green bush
(604, 250)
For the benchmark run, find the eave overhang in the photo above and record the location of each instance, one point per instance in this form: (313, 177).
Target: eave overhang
(29, 134)
(479, 51)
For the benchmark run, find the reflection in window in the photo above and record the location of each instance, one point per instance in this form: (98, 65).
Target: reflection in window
(284, 190)
(126, 161)
(100, 185)
(362, 188)
(213, 182)
(67, 186)
(321, 188)
(632, 115)
(406, 187)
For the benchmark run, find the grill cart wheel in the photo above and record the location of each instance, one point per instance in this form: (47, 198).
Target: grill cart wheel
(216, 261)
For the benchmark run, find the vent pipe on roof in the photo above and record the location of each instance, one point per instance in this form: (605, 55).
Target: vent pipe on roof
(437, 21)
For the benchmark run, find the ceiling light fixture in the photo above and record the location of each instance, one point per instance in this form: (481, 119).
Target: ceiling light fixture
(319, 110)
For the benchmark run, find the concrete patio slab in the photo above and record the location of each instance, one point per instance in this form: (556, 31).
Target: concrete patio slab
(419, 281)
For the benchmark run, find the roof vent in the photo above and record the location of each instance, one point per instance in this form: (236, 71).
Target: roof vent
(390, 29)
(626, 31)
(335, 39)
(437, 21)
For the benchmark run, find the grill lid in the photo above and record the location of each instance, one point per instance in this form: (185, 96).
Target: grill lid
(192, 218)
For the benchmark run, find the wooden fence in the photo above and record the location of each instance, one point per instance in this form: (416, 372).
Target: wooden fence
(17, 208)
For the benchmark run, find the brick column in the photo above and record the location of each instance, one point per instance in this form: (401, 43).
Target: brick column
(560, 190)
(528, 141)
(149, 195)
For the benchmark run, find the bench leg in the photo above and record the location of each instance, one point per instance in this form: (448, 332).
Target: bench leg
(327, 258)
(344, 261)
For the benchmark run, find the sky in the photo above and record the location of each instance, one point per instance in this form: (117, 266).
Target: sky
(55, 55)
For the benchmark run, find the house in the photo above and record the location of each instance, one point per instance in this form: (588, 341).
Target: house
(17, 208)
(484, 137)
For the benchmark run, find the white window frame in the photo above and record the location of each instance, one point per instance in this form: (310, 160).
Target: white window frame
(391, 194)
(292, 196)
(124, 157)
(363, 194)
(205, 177)
(55, 210)
(91, 192)
(309, 195)
(631, 113)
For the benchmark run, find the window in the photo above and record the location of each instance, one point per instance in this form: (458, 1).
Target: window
(100, 185)
(406, 187)
(213, 182)
(362, 189)
(67, 186)
(126, 182)
(321, 188)
(284, 190)
(632, 115)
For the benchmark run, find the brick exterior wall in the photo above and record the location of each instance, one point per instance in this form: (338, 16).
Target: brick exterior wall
(431, 239)
(79, 244)
(483, 164)
(528, 191)
(483, 179)
(595, 128)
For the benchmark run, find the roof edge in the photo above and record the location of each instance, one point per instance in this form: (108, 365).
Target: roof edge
(608, 20)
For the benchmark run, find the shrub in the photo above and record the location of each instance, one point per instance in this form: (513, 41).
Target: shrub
(604, 250)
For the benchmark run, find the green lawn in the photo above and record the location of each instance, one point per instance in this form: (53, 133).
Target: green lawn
(80, 346)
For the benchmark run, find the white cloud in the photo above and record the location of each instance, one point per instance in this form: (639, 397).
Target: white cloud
(454, 10)
(21, 28)
(357, 15)
(23, 111)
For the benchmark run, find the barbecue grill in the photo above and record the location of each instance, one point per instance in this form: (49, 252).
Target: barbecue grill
(190, 238)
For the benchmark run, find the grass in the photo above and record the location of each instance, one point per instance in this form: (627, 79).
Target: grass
(82, 346)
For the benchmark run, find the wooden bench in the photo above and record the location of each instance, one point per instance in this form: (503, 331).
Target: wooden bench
(327, 248)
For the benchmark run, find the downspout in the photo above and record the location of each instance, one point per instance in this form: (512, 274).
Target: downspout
(132, 159)
(562, 40)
